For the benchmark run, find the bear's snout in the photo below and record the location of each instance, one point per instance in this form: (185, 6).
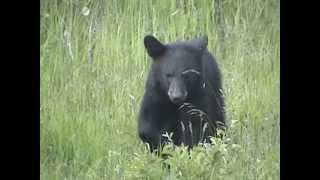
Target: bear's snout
(177, 97)
(177, 92)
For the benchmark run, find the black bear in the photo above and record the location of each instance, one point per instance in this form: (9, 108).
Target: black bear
(183, 95)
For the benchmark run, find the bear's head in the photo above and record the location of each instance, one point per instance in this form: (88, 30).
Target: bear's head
(177, 67)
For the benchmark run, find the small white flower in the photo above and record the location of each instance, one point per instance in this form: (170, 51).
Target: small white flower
(85, 11)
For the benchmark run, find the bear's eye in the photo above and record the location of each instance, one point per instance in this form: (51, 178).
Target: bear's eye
(190, 76)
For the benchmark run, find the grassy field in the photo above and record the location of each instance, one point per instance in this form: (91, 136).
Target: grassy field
(93, 71)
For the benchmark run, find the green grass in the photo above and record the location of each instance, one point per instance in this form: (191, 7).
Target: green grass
(93, 71)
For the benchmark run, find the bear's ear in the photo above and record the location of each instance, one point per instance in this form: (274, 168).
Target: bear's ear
(154, 47)
(200, 43)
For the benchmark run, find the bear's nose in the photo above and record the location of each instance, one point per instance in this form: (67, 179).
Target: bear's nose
(178, 97)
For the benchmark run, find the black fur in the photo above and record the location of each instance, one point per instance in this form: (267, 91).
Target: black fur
(183, 76)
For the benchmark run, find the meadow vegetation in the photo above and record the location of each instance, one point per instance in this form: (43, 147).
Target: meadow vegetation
(93, 69)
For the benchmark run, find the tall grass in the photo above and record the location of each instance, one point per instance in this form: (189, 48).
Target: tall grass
(94, 66)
